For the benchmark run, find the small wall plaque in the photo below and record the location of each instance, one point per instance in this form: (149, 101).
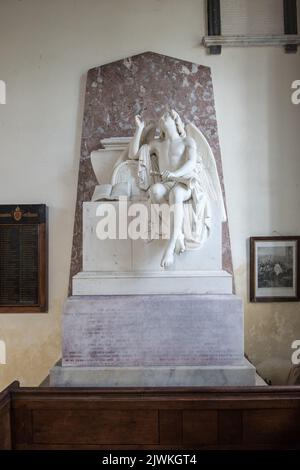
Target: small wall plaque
(23, 258)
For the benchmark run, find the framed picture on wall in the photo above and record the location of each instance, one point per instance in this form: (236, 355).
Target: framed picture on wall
(274, 269)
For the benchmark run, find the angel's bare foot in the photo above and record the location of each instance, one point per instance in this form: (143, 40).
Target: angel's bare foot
(180, 246)
(168, 258)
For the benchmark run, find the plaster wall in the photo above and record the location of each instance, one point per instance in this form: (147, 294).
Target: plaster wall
(46, 48)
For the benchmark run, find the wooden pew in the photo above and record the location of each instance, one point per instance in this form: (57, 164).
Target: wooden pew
(150, 418)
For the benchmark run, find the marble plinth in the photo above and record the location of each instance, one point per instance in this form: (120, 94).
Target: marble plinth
(128, 255)
(143, 283)
(184, 376)
(153, 330)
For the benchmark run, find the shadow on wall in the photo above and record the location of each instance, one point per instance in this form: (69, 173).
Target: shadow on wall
(278, 371)
(294, 376)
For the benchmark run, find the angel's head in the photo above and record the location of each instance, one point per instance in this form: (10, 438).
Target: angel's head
(170, 124)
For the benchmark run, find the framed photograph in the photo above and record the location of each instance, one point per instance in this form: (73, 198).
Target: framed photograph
(274, 269)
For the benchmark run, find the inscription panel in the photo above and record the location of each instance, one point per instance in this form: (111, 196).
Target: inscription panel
(150, 330)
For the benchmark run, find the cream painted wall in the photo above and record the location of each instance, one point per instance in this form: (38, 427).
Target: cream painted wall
(46, 47)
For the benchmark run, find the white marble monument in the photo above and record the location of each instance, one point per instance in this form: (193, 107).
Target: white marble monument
(176, 169)
(152, 305)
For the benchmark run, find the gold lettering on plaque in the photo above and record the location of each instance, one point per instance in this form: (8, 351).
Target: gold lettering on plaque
(30, 214)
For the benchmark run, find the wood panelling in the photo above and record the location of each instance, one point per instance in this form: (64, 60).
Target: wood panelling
(5, 417)
(5, 431)
(170, 426)
(230, 427)
(276, 427)
(199, 428)
(149, 418)
(121, 427)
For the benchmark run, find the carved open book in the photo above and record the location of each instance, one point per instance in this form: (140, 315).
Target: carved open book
(111, 192)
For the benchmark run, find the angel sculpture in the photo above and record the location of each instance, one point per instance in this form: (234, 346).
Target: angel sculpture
(176, 168)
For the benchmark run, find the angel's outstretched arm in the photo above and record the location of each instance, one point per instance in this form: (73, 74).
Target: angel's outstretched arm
(134, 145)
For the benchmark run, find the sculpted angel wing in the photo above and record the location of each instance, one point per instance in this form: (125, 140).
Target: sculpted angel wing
(208, 168)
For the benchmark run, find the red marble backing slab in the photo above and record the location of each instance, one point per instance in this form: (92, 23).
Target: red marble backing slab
(146, 84)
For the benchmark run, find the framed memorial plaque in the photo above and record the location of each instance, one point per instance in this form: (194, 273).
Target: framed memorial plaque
(274, 269)
(23, 258)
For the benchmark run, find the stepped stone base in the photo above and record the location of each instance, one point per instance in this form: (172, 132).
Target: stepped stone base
(144, 283)
(206, 376)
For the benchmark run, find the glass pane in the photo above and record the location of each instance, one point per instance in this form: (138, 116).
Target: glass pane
(252, 17)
